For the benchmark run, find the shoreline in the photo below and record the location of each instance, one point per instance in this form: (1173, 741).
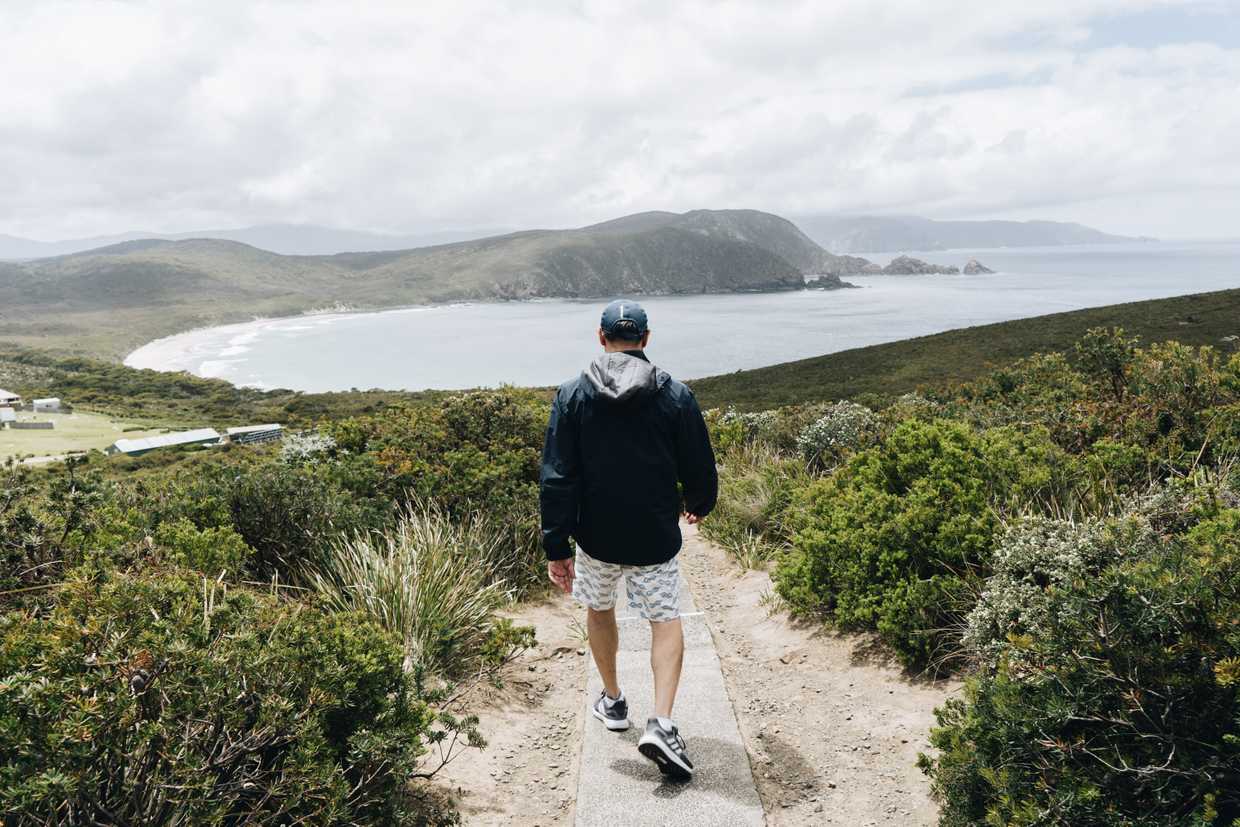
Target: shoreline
(160, 354)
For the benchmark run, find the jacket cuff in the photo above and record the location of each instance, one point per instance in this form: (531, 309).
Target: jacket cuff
(558, 551)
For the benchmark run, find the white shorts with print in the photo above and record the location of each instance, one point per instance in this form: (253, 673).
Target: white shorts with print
(654, 591)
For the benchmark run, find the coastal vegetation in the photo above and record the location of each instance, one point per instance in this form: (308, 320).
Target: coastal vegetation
(1063, 533)
(158, 615)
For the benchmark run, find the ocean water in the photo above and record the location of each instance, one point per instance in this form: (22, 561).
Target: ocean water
(546, 342)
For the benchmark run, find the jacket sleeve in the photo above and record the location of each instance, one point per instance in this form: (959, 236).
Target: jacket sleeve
(559, 493)
(695, 460)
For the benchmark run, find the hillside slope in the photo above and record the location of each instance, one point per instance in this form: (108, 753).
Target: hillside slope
(107, 300)
(958, 355)
(286, 239)
(873, 233)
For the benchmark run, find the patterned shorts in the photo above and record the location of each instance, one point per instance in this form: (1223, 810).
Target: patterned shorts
(654, 591)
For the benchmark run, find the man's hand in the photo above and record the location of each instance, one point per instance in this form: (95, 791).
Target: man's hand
(562, 573)
(692, 519)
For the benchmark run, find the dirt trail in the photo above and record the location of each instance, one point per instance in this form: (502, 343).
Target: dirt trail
(832, 737)
(527, 775)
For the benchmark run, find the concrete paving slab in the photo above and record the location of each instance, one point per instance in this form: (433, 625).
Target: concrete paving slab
(617, 786)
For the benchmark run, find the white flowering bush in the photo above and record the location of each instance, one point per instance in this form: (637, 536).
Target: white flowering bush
(298, 449)
(1037, 564)
(754, 426)
(845, 427)
(1108, 693)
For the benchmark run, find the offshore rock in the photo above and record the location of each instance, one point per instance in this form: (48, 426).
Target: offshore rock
(976, 268)
(909, 266)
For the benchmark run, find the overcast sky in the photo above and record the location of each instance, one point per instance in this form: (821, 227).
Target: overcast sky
(423, 116)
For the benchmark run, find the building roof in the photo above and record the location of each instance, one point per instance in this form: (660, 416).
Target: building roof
(129, 446)
(253, 429)
(50, 400)
(9, 394)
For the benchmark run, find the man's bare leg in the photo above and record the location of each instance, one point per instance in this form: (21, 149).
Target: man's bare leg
(604, 641)
(667, 653)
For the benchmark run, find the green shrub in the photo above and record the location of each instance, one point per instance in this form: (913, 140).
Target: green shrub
(431, 581)
(474, 451)
(1043, 390)
(29, 556)
(899, 538)
(291, 516)
(212, 551)
(1107, 356)
(726, 432)
(1108, 687)
(158, 699)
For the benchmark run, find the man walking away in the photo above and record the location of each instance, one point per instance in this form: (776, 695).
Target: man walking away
(621, 437)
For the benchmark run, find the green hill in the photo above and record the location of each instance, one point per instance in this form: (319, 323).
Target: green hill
(108, 300)
(959, 355)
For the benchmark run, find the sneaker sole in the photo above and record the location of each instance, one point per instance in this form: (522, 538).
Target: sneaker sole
(613, 725)
(669, 765)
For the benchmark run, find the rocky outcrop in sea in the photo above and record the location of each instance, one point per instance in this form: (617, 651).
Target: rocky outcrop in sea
(976, 268)
(909, 266)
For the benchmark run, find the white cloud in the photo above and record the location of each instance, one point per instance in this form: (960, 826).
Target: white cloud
(171, 116)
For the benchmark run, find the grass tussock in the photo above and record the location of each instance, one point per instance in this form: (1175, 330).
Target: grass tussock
(428, 580)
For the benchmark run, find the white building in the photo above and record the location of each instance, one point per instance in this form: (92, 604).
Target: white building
(9, 399)
(7, 415)
(48, 405)
(138, 447)
(255, 433)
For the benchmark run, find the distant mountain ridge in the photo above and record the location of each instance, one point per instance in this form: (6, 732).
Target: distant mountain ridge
(118, 296)
(877, 234)
(285, 239)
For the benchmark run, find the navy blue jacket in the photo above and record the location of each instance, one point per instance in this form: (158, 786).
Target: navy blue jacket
(620, 438)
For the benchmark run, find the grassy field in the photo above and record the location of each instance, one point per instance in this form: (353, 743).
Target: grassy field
(77, 431)
(959, 355)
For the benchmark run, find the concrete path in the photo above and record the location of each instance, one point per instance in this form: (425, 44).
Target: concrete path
(617, 786)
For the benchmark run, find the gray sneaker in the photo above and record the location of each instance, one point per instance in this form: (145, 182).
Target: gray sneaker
(662, 744)
(613, 714)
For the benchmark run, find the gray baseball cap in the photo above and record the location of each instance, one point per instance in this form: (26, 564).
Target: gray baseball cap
(624, 319)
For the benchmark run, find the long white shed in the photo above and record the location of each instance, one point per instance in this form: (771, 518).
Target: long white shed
(138, 447)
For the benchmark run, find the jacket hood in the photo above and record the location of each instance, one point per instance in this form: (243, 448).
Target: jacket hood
(618, 377)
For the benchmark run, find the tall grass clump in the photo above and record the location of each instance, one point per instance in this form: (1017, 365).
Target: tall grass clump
(756, 493)
(430, 579)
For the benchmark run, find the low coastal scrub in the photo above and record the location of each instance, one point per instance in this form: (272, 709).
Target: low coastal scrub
(1106, 690)
(1065, 534)
(163, 698)
(263, 635)
(899, 538)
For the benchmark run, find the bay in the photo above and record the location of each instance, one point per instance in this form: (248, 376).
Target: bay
(546, 342)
